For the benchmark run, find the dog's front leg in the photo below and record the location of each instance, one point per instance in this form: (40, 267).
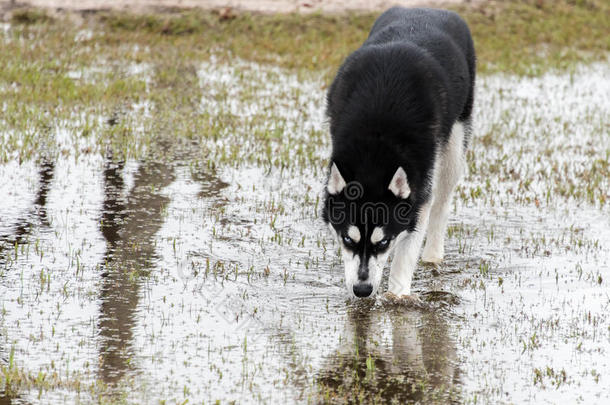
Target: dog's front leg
(403, 265)
(407, 255)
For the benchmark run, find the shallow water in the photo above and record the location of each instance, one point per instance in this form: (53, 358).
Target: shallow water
(165, 279)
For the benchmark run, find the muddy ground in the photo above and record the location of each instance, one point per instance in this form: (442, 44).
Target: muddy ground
(264, 6)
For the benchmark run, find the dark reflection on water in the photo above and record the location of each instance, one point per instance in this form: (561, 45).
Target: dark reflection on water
(130, 220)
(37, 214)
(210, 184)
(129, 225)
(392, 354)
(113, 207)
(35, 217)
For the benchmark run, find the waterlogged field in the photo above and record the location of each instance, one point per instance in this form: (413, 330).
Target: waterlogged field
(160, 239)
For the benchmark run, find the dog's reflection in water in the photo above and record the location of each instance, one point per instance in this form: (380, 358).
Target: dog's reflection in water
(391, 353)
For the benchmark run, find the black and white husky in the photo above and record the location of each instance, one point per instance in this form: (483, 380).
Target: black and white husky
(400, 118)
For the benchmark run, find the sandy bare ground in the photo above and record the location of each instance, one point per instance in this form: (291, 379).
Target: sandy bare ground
(265, 6)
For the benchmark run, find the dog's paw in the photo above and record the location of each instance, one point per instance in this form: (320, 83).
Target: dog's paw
(411, 300)
(432, 256)
(432, 260)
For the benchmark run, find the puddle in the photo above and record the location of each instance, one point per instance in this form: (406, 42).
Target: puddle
(169, 278)
(392, 354)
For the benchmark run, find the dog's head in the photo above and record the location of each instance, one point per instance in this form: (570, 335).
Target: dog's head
(367, 225)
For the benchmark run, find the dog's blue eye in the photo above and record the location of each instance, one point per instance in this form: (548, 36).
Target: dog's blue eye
(383, 242)
(347, 240)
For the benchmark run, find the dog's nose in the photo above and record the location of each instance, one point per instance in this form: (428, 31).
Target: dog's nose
(363, 290)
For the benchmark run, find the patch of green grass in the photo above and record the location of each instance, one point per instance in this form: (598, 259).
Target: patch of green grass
(533, 36)
(79, 72)
(310, 42)
(523, 37)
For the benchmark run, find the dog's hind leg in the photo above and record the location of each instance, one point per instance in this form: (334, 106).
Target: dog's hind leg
(448, 171)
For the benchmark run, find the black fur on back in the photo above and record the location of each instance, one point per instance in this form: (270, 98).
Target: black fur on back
(395, 99)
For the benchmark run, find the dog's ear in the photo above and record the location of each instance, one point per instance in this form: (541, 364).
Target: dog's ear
(336, 183)
(399, 185)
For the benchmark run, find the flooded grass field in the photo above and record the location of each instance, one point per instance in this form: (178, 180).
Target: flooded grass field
(160, 239)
